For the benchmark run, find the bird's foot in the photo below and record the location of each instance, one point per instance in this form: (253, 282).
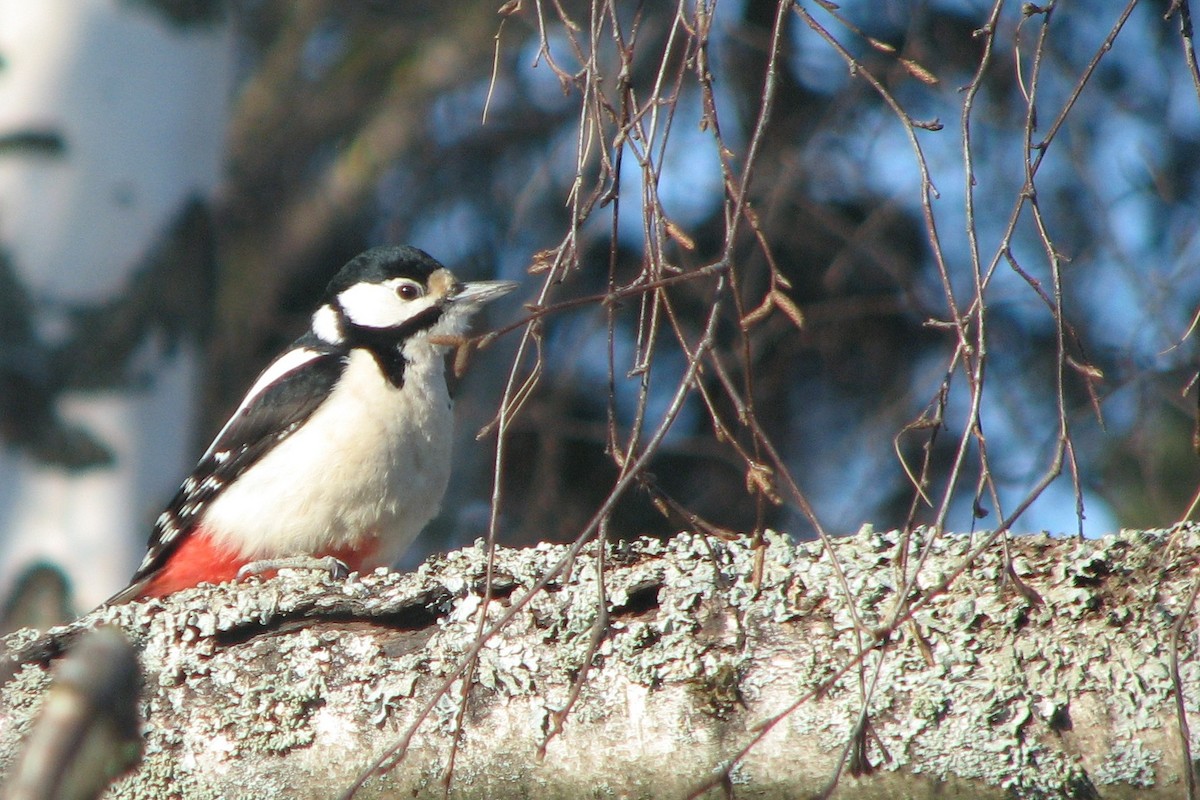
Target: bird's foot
(336, 568)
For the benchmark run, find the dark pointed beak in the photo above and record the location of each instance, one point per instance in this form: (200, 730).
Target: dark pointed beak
(479, 292)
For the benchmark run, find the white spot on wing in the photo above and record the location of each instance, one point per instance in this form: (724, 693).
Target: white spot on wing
(290, 361)
(191, 509)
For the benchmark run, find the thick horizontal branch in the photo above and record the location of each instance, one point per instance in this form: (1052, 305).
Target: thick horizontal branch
(293, 686)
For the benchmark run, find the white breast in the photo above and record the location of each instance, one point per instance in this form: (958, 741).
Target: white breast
(372, 461)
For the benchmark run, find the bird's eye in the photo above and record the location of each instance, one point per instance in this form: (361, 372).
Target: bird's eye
(409, 291)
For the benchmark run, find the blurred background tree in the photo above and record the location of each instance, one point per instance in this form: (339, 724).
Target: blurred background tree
(948, 275)
(112, 118)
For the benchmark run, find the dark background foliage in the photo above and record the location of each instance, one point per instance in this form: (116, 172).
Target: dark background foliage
(612, 154)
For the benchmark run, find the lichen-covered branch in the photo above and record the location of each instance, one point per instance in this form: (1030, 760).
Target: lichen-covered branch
(291, 687)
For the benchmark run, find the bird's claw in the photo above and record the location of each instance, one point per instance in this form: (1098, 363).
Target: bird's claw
(336, 568)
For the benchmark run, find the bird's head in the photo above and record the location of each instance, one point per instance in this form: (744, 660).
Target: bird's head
(389, 294)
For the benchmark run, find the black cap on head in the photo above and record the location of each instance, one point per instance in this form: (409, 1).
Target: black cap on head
(380, 263)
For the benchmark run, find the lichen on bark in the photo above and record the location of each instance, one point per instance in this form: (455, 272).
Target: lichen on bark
(292, 686)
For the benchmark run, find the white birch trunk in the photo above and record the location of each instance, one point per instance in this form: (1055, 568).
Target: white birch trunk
(113, 117)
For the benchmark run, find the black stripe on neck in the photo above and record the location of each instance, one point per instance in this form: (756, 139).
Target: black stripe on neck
(385, 343)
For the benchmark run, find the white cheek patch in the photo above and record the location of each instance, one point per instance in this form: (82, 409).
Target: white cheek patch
(376, 305)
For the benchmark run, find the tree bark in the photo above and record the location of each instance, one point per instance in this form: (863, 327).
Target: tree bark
(1055, 684)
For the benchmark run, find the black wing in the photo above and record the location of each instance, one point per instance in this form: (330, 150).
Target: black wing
(251, 433)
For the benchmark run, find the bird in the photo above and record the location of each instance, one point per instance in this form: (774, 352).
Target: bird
(340, 452)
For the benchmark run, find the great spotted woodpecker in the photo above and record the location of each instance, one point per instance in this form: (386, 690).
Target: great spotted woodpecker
(341, 448)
